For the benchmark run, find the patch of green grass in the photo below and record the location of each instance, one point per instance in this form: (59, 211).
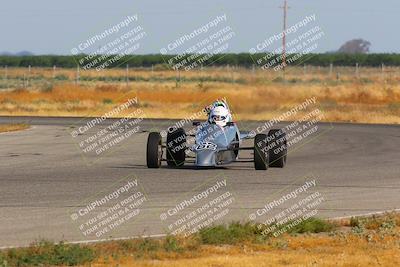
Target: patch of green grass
(379, 223)
(172, 244)
(294, 80)
(355, 221)
(314, 80)
(278, 80)
(44, 253)
(297, 226)
(247, 232)
(312, 225)
(61, 77)
(147, 245)
(107, 101)
(158, 79)
(229, 234)
(365, 80)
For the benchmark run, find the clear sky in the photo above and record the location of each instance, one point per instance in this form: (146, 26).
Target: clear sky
(54, 26)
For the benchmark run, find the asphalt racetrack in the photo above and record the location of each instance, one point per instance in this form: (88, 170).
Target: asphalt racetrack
(48, 184)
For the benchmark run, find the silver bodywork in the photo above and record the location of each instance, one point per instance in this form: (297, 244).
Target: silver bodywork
(214, 144)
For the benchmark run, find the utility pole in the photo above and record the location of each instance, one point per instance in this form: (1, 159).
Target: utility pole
(285, 8)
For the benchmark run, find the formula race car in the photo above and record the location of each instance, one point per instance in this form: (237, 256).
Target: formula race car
(217, 142)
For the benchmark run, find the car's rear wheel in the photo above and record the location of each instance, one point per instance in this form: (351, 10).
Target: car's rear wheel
(278, 148)
(176, 146)
(260, 152)
(154, 150)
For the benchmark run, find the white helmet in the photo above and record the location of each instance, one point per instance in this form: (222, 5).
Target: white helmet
(220, 116)
(220, 103)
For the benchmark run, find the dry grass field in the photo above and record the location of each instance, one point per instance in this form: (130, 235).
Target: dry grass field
(12, 127)
(370, 96)
(289, 251)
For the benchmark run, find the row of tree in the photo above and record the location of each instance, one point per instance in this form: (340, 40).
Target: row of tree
(240, 59)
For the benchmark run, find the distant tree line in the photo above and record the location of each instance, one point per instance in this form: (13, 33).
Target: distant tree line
(240, 59)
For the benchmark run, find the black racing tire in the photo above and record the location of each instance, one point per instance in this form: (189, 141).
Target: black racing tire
(176, 146)
(261, 161)
(236, 147)
(154, 150)
(277, 148)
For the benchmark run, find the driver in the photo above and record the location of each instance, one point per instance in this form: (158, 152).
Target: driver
(219, 115)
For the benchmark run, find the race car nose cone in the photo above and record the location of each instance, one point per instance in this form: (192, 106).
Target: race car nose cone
(205, 158)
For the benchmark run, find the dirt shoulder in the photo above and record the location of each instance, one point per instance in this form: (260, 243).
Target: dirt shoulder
(13, 127)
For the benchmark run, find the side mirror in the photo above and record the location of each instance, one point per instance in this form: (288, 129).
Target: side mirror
(196, 123)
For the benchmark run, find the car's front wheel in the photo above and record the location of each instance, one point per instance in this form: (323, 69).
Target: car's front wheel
(154, 150)
(261, 152)
(176, 147)
(278, 148)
